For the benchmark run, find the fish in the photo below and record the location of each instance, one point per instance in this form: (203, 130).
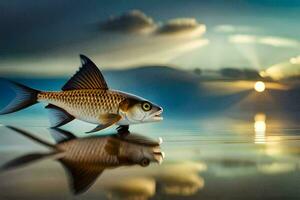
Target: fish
(85, 159)
(87, 97)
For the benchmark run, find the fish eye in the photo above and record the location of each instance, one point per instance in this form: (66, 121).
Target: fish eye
(145, 162)
(146, 106)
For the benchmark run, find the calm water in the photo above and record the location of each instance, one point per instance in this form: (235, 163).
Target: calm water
(221, 156)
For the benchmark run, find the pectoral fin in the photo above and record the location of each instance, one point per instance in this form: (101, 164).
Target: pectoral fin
(112, 146)
(106, 121)
(99, 127)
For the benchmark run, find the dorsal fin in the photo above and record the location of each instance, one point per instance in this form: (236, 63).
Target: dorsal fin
(88, 77)
(81, 177)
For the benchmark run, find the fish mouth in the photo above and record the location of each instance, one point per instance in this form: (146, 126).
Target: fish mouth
(159, 156)
(157, 115)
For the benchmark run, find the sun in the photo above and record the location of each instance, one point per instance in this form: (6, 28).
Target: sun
(259, 86)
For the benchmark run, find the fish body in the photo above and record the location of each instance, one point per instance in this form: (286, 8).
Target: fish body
(86, 105)
(90, 151)
(87, 97)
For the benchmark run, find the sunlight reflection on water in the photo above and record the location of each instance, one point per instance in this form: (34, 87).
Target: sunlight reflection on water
(260, 128)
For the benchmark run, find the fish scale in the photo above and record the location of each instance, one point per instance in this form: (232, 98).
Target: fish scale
(85, 104)
(87, 151)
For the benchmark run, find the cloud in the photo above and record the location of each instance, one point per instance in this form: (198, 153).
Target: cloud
(235, 73)
(227, 28)
(135, 21)
(266, 40)
(181, 26)
(131, 21)
(242, 39)
(279, 42)
(284, 70)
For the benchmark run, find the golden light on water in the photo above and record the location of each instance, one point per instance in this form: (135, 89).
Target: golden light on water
(259, 86)
(260, 128)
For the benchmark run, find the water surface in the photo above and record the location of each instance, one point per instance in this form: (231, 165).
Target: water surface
(218, 156)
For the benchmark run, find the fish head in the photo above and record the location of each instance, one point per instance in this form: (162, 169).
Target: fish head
(144, 155)
(139, 110)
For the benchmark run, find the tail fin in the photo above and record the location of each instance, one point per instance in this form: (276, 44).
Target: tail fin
(25, 160)
(25, 97)
(28, 135)
(30, 158)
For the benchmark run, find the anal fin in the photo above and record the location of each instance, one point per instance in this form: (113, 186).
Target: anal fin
(58, 116)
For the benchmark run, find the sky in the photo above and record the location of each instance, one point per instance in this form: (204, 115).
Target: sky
(45, 38)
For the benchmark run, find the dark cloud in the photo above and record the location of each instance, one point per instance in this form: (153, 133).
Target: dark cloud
(181, 25)
(136, 21)
(131, 21)
(234, 73)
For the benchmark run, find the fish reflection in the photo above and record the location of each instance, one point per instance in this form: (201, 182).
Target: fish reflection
(85, 159)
